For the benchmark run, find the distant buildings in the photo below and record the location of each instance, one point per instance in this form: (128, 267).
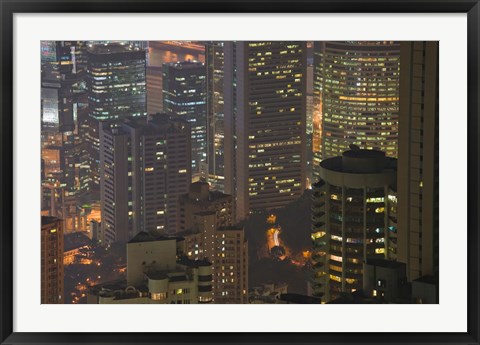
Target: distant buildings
(145, 167)
(184, 96)
(65, 169)
(265, 114)
(356, 88)
(156, 276)
(52, 261)
(353, 219)
(418, 170)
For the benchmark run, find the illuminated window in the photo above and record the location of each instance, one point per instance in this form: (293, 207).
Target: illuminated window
(335, 278)
(318, 235)
(336, 258)
(158, 296)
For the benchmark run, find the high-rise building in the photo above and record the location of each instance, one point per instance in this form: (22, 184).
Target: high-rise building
(353, 219)
(116, 81)
(116, 76)
(156, 276)
(184, 96)
(214, 57)
(52, 261)
(356, 90)
(265, 114)
(418, 174)
(209, 234)
(145, 167)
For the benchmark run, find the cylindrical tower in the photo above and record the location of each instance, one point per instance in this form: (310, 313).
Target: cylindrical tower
(351, 219)
(355, 97)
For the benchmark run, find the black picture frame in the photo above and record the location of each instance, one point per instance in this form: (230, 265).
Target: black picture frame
(9, 7)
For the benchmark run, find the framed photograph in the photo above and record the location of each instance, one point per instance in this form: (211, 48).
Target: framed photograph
(243, 172)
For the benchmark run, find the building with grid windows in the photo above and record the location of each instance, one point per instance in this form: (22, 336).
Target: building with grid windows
(356, 97)
(116, 81)
(145, 168)
(353, 219)
(265, 114)
(184, 96)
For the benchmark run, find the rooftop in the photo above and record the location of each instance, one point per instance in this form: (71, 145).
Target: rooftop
(185, 64)
(48, 220)
(112, 48)
(385, 263)
(75, 240)
(148, 237)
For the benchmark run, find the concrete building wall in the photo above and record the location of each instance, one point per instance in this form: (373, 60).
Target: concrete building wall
(418, 198)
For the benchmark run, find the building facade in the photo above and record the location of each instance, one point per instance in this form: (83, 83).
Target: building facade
(52, 276)
(265, 114)
(154, 89)
(418, 174)
(184, 96)
(356, 97)
(145, 168)
(353, 219)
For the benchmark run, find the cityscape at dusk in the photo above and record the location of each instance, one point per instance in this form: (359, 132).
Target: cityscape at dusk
(239, 172)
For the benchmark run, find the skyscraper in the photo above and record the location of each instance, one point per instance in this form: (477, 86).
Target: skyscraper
(214, 56)
(356, 87)
(265, 114)
(418, 174)
(184, 96)
(353, 219)
(52, 261)
(145, 167)
(116, 89)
